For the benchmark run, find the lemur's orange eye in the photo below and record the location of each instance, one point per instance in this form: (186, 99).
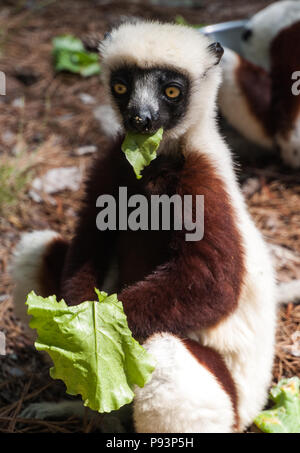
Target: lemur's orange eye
(120, 88)
(172, 92)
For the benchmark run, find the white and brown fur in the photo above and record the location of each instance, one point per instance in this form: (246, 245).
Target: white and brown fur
(256, 95)
(208, 315)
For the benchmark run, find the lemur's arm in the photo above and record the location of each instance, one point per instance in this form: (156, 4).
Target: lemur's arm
(90, 249)
(200, 285)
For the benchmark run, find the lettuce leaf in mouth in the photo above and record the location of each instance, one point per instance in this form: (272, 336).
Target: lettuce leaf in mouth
(92, 349)
(284, 416)
(140, 149)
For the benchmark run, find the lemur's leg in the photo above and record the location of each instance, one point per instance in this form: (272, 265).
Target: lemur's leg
(37, 265)
(191, 390)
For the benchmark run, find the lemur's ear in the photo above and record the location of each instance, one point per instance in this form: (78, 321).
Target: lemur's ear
(217, 50)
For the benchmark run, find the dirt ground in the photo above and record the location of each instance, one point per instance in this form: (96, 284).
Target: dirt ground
(44, 119)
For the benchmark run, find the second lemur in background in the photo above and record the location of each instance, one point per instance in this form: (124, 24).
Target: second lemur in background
(260, 93)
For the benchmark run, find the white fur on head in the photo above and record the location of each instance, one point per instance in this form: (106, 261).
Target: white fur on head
(265, 25)
(26, 267)
(153, 44)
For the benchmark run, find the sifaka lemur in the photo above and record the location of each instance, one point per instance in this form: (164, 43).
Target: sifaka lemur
(260, 93)
(206, 309)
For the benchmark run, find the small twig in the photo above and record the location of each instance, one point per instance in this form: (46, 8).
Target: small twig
(10, 407)
(89, 426)
(12, 424)
(49, 425)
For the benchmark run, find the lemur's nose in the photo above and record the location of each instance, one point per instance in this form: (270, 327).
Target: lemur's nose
(141, 121)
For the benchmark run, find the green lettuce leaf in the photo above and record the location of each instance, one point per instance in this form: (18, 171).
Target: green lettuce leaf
(70, 55)
(92, 349)
(284, 417)
(179, 19)
(140, 149)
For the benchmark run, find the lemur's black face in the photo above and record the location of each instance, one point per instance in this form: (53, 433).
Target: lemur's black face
(149, 99)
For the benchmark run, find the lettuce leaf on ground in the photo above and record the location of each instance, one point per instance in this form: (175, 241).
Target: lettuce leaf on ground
(92, 349)
(179, 19)
(70, 55)
(284, 417)
(140, 149)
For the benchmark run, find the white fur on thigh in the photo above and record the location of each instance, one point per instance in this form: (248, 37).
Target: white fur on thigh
(182, 396)
(26, 266)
